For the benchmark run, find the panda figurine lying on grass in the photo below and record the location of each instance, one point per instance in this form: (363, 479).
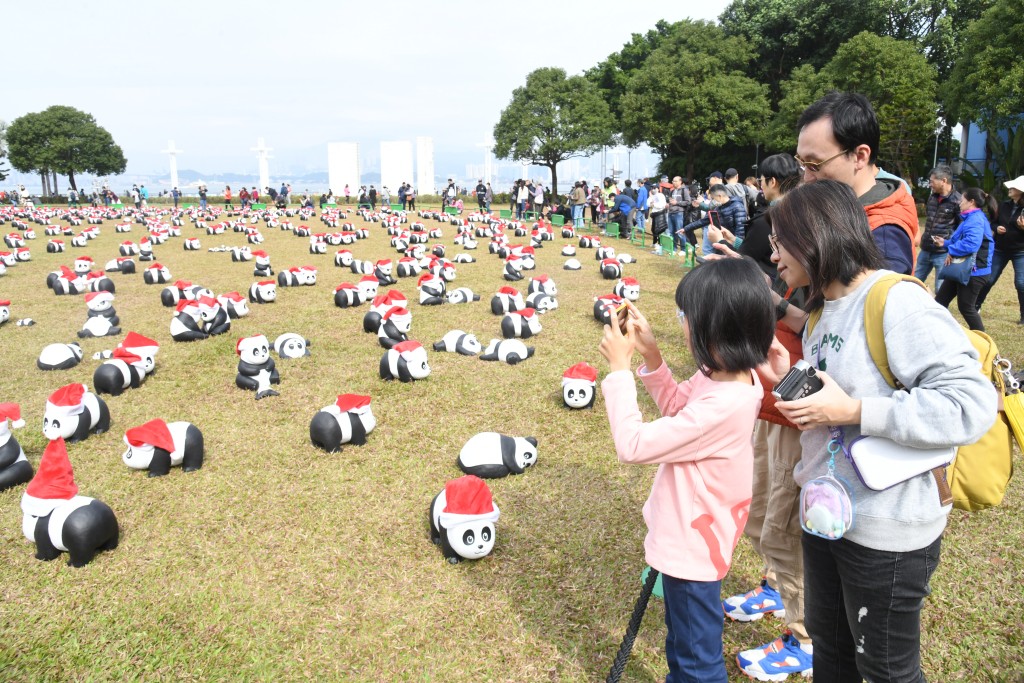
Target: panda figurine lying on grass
(491, 455)
(347, 420)
(157, 446)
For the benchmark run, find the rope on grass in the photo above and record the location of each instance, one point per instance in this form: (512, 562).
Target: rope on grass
(619, 666)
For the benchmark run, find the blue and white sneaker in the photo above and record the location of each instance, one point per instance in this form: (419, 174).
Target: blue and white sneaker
(775, 661)
(753, 605)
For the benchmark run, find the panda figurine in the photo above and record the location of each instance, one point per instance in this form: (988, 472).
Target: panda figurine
(156, 274)
(568, 250)
(235, 304)
(611, 269)
(158, 446)
(191, 244)
(513, 271)
(57, 519)
(347, 295)
(432, 289)
(97, 281)
(463, 520)
(145, 249)
(462, 295)
(520, 324)
(187, 323)
(605, 307)
(628, 288)
(506, 300)
(444, 269)
(408, 267)
(172, 294)
(215, 320)
(511, 351)
(589, 241)
(382, 271)
(579, 386)
(457, 341)
(343, 258)
(405, 362)
(348, 420)
(541, 302)
(263, 292)
(55, 246)
(394, 327)
(256, 369)
(241, 254)
(102, 319)
(603, 253)
(82, 265)
(544, 284)
(490, 455)
(290, 345)
(73, 412)
(262, 267)
(123, 264)
(5, 310)
(15, 468)
(529, 258)
(59, 356)
(463, 258)
(572, 264)
(124, 370)
(380, 305)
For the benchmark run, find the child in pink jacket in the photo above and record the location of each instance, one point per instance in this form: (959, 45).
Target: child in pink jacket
(701, 444)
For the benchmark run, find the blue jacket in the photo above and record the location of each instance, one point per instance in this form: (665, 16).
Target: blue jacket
(623, 203)
(641, 198)
(973, 236)
(732, 215)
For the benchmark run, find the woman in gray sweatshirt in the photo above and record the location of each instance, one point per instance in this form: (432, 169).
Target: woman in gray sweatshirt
(864, 591)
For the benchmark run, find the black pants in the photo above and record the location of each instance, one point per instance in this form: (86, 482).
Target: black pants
(966, 299)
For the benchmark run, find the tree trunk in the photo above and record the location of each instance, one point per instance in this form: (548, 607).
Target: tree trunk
(554, 179)
(71, 180)
(56, 190)
(45, 177)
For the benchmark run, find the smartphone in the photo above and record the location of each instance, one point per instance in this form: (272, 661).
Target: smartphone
(715, 219)
(622, 315)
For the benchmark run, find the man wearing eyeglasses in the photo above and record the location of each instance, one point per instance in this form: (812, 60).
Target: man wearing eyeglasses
(838, 140)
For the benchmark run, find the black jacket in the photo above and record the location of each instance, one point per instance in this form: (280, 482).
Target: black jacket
(943, 217)
(1013, 240)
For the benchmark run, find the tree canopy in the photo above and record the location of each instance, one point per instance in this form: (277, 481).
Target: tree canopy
(691, 92)
(553, 118)
(63, 140)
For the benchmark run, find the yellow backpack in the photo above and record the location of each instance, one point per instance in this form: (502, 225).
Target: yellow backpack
(981, 471)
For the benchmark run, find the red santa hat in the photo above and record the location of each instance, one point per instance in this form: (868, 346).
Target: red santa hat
(98, 297)
(126, 356)
(407, 346)
(5, 302)
(630, 282)
(264, 283)
(143, 346)
(68, 400)
(467, 499)
(182, 284)
(231, 296)
(54, 481)
(67, 273)
(187, 304)
(260, 254)
(127, 242)
(383, 262)
(540, 278)
(580, 372)
(610, 262)
(294, 269)
(345, 285)
(154, 433)
(526, 312)
(352, 403)
(255, 340)
(368, 278)
(10, 411)
(155, 266)
(395, 312)
(510, 291)
(208, 303)
(87, 259)
(95, 275)
(426, 277)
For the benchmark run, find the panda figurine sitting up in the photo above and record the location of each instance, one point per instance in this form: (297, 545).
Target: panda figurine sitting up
(463, 517)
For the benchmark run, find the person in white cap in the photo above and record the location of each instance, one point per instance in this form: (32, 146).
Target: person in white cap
(1009, 239)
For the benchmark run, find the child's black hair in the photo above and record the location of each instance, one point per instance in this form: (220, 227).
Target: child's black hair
(728, 306)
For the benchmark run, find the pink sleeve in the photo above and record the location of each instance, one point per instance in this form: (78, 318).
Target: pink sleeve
(670, 396)
(676, 438)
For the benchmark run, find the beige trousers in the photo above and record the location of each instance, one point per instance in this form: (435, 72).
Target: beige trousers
(774, 523)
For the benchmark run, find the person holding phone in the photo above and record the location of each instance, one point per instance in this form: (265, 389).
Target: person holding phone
(726, 211)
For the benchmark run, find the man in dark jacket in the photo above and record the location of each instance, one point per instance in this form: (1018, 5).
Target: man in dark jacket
(373, 198)
(943, 217)
(732, 215)
(481, 193)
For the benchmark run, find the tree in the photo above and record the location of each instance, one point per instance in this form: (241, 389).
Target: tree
(63, 140)
(691, 93)
(987, 84)
(900, 84)
(803, 87)
(553, 118)
(612, 75)
(3, 149)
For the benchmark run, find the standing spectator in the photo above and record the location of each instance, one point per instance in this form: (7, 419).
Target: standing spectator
(283, 193)
(521, 198)
(838, 140)
(513, 196)
(641, 204)
(481, 193)
(136, 198)
(72, 198)
(732, 215)
(144, 194)
(755, 198)
(943, 215)
(1009, 243)
(678, 200)
(243, 198)
(227, 198)
(254, 195)
(373, 198)
(323, 200)
(538, 198)
(401, 195)
(175, 196)
(488, 198)
(973, 237)
(410, 195)
(659, 215)
(449, 194)
(348, 194)
(385, 196)
(578, 202)
(629, 189)
(733, 184)
(202, 197)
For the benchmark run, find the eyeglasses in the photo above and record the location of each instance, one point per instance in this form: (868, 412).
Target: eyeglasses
(815, 166)
(774, 242)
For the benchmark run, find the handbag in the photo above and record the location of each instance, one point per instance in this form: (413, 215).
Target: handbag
(881, 463)
(959, 269)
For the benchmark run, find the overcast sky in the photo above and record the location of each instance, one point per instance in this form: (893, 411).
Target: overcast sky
(215, 76)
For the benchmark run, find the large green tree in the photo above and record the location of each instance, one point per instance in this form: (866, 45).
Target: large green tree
(3, 150)
(691, 94)
(63, 140)
(987, 84)
(612, 75)
(553, 118)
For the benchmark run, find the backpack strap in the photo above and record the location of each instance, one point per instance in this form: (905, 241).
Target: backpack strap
(874, 310)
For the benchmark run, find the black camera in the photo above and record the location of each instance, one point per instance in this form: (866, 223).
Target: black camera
(800, 381)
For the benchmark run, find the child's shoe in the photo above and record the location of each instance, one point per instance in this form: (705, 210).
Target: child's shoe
(753, 605)
(775, 661)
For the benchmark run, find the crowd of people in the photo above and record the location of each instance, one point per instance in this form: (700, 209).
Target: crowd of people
(790, 259)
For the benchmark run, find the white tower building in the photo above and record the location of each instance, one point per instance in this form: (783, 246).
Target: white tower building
(425, 166)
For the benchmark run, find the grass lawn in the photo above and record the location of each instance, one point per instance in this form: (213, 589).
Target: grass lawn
(280, 562)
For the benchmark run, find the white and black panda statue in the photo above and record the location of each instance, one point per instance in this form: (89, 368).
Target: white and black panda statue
(235, 304)
(158, 446)
(506, 300)
(491, 455)
(394, 327)
(541, 302)
(405, 362)
(579, 386)
(542, 283)
(605, 307)
(520, 324)
(611, 269)
(122, 264)
(572, 264)
(256, 369)
(214, 318)
(462, 295)
(15, 468)
(463, 519)
(628, 288)
(59, 356)
(5, 310)
(347, 295)
(262, 267)
(156, 274)
(511, 351)
(263, 292)
(432, 289)
(457, 341)
(73, 412)
(57, 519)
(290, 345)
(102, 319)
(348, 420)
(187, 325)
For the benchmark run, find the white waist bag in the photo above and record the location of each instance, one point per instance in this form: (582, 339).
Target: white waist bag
(881, 463)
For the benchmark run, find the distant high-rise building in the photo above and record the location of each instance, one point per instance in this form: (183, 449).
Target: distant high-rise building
(425, 166)
(343, 167)
(395, 164)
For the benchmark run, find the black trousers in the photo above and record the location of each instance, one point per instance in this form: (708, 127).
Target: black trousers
(966, 299)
